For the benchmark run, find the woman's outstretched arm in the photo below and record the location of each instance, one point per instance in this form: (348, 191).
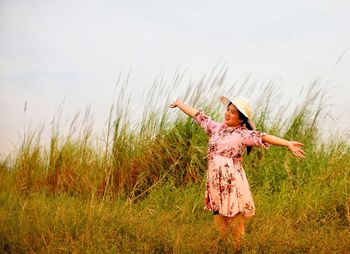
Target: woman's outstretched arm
(184, 108)
(293, 146)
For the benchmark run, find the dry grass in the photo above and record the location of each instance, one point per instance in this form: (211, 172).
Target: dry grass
(141, 189)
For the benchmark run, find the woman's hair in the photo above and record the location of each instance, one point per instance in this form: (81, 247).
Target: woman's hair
(246, 123)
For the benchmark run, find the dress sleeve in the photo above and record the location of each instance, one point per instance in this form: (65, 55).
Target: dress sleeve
(208, 125)
(254, 138)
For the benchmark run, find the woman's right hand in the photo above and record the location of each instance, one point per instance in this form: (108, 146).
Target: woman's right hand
(184, 108)
(174, 104)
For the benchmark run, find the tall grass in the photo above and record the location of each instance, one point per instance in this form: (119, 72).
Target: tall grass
(140, 188)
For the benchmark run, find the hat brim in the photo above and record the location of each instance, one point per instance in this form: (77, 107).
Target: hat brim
(252, 124)
(224, 100)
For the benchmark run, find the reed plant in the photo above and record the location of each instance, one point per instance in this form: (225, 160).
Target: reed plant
(140, 188)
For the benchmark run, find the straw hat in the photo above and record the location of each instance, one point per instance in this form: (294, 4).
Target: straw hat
(243, 105)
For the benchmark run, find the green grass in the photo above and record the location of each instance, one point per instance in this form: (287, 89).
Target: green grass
(140, 189)
(169, 220)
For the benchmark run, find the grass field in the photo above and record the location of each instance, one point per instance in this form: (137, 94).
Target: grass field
(140, 188)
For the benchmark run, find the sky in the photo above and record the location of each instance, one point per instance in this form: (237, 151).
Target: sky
(70, 53)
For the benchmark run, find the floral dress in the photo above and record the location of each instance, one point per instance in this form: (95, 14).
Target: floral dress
(227, 189)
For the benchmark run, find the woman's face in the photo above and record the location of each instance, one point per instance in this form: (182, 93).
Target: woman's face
(232, 117)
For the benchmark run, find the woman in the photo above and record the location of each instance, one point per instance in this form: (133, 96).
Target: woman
(227, 192)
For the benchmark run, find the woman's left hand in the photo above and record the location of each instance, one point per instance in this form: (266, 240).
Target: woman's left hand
(294, 147)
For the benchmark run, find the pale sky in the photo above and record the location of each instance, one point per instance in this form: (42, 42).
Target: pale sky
(73, 51)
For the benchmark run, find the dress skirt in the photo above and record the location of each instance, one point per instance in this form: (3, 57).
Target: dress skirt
(227, 189)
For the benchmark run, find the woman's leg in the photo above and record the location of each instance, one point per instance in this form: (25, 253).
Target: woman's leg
(236, 226)
(220, 223)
